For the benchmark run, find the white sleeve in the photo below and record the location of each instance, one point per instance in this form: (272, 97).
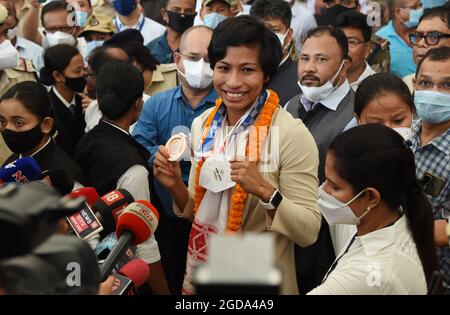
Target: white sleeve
(92, 115)
(135, 181)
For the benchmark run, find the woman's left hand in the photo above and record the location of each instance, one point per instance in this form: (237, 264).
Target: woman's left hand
(246, 174)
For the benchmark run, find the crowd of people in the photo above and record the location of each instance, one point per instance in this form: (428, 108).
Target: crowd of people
(325, 124)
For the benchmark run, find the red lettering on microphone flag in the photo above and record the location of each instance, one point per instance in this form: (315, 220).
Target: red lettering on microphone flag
(78, 222)
(19, 177)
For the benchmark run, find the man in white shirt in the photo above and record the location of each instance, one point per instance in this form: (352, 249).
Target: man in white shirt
(302, 21)
(27, 49)
(358, 32)
(129, 15)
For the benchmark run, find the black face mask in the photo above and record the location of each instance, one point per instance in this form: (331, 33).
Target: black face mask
(180, 22)
(332, 13)
(76, 84)
(23, 141)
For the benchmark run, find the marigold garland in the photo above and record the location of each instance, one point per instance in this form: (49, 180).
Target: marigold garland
(239, 196)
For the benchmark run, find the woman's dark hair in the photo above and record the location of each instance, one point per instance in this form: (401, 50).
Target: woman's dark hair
(142, 56)
(119, 86)
(247, 31)
(33, 96)
(376, 156)
(56, 58)
(378, 84)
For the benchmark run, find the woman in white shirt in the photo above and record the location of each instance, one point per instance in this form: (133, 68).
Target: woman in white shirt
(371, 183)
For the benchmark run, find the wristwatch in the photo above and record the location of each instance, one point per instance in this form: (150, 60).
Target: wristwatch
(274, 201)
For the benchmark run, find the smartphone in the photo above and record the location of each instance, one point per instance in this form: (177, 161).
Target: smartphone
(431, 184)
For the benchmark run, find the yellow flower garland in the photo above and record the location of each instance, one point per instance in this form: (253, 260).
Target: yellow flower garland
(239, 196)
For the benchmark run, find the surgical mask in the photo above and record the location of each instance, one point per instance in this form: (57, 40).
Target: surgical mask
(319, 93)
(213, 19)
(81, 18)
(23, 141)
(180, 22)
(53, 39)
(281, 38)
(405, 132)
(336, 211)
(9, 56)
(12, 33)
(431, 106)
(124, 7)
(90, 46)
(198, 74)
(414, 17)
(76, 84)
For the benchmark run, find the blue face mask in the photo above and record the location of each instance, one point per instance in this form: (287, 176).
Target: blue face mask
(81, 18)
(213, 19)
(90, 46)
(432, 107)
(428, 4)
(414, 17)
(124, 7)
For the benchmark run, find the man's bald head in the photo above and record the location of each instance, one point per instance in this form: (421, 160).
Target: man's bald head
(195, 38)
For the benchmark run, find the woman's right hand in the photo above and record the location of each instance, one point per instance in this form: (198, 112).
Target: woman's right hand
(166, 172)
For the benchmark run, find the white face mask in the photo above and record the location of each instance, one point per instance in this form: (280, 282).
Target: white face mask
(53, 39)
(9, 56)
(405, 132)
(281, 38)
(337, 212)
(198, 74)
(319, 93)
(12, 33)
(215, 174)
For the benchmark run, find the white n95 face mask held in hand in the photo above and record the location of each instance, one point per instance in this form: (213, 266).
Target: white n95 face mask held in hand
(215, 174)
(9, 56)
(336, 211)
(198, 74)
(319, 93)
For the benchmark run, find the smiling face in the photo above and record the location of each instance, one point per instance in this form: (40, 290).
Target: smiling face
(387, 109)
(239, 78)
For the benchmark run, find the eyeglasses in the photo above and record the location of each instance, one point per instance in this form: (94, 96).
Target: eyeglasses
(426, 85)
(431, 38)
(354, 42)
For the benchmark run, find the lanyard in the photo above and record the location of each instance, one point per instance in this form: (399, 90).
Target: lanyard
(119, 29)
(207, 144)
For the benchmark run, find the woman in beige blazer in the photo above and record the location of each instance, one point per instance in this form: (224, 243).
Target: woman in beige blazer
(254, 167)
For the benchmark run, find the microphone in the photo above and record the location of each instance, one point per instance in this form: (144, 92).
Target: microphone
(89, 193)
(137, 271)
(110, 206)
(131, 276)
(84, 222)
(135, 225)
(59, 179)
(21, 170)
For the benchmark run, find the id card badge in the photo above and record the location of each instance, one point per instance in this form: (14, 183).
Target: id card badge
(215, 174)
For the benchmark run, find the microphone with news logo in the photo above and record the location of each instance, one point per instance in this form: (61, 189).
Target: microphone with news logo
(109, 207)
(135, 225)
(22, 170)
(58, 179)
(84, 222)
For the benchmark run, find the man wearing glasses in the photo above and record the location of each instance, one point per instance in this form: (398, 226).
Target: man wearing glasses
(433, 31)
(405, 16)
(358, 32)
